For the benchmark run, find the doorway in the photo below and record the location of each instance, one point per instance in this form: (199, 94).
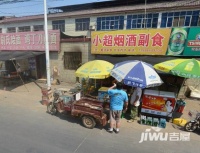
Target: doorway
(41, 66)
(10, 66)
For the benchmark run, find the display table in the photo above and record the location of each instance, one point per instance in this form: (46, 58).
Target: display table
(158, 103)
(8, 79)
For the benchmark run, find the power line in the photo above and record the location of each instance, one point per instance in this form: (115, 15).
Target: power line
(12, 1)
(5, 8)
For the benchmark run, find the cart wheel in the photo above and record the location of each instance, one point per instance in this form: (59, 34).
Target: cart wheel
(88, 122)
(51, 109)
(190, 126)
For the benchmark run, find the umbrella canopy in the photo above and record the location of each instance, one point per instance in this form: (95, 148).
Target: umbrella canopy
(136, 73)
(187, 68)
(96, 69)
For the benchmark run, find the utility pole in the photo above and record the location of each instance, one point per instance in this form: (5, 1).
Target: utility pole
(47, 46)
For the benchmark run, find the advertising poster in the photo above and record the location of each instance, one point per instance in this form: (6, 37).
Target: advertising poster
(192, 46)
(32, 63)
(177, 41)
(130, 42)
(158, 105)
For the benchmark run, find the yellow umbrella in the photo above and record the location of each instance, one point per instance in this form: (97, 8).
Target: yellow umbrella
(96, 69)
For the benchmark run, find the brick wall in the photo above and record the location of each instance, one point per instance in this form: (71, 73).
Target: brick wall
(57, 59)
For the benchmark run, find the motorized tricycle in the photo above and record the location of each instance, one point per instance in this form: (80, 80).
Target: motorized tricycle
(90, 110)
(194, 124)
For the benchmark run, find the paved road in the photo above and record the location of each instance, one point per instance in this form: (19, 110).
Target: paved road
(25, 127)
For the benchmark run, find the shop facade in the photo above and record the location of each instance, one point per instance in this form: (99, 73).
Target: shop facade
(150, 40)
(27, 51)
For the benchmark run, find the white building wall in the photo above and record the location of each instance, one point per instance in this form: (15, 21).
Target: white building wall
(29, 23)
(70, 28)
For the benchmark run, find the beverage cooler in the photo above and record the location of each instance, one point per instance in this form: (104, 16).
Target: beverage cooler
(158, 103)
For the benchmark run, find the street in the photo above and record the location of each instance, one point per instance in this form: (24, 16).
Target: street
(26, 127)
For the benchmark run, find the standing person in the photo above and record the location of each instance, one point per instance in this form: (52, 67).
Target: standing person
(56, 74)
(118, 98)
(135, 102)
(18, 68)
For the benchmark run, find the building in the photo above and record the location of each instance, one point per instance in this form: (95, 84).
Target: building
(80, 24)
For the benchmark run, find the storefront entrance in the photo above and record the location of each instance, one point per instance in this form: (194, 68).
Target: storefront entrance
(10, 65)
(41, 66)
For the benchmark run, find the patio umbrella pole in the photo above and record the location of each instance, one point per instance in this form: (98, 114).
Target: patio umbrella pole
(20, 76)
(184, 87)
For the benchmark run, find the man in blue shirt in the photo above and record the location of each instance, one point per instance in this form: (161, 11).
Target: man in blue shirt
(118, 98)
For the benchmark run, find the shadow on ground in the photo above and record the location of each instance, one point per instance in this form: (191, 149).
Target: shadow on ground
(75, 120)
(13, 85)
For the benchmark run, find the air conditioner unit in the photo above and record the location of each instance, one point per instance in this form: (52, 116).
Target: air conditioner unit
(92, 27)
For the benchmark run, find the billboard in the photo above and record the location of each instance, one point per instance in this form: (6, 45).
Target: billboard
(130, 42)
(192, 46)
(33, 41)
(177, 41)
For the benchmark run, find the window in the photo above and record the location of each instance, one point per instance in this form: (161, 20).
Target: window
(110, 23)
(175, 22)
(59, 25)
(24, 29)
(72, 60)
(198, 23)
(11, 30)
(82, 24)
(38, 28)
(180, 19)
(135, 21)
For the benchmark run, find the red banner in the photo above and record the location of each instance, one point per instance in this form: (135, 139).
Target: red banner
(33, 41)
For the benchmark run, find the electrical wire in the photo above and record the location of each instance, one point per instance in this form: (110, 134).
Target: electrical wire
(25, 6)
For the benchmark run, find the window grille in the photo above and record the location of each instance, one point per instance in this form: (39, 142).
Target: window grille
(11, 30)
(82, 24)
(59, 25)
(110, 23)
(137, 21)
(72, 60)
(24, 29)
(180, 19)
(38, 28)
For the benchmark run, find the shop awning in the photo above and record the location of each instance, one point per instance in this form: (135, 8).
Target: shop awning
(17, 55)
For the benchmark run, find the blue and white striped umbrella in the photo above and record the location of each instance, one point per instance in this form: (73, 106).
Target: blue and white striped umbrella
(136, 73)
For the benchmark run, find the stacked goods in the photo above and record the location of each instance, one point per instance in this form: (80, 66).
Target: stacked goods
(149, 121)
(155, 122)
(162, 123)
(143, 119)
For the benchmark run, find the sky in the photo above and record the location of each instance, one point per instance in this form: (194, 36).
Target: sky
(35, 7)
